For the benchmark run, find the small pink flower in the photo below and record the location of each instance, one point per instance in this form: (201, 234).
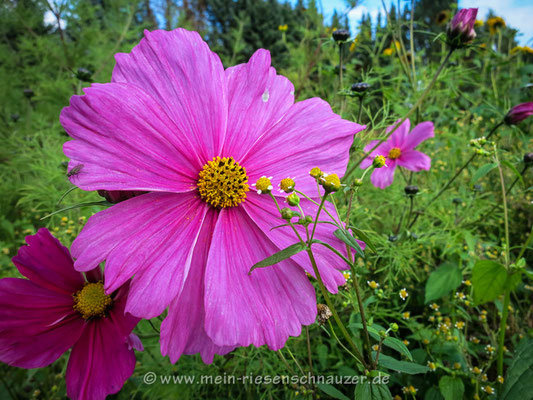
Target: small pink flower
(399, 151)
(461, 28)
(519, 113)
(58, 308)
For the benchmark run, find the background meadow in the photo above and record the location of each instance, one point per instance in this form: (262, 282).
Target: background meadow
(444, 327)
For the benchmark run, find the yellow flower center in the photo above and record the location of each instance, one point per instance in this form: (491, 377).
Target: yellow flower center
(223, 182)
(394, 153)
(287, 185)
(263, 185)
(91, 301)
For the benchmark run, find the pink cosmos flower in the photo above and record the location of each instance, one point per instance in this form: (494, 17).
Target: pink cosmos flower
(399, 150)
(58, 308)
(175, 124)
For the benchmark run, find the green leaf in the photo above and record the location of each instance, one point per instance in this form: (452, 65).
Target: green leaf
(331, 391)
(519, 380)
(347, 238)
(372, 391)
(433, 394)
(442, 281)
(513, 280)
(513, 168)
(401, 366)
(279, 256)
(364, 237)
(451, 388)
(391, 342)
(482, 171)
(488, 279)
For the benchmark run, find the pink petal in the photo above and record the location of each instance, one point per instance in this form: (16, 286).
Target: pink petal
(101, 361)
(309, 135)
(264, 307)
(262, 210)
(47, 263)
(258, 98)
(150, 236)
(383, 177)
(37, 325)
(182, 331)
(399, 136)
(187, 79)
(414, 160)
(125, 141)
(421, 132)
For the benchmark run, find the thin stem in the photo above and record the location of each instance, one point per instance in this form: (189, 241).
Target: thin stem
(294, 359)
(503, 326)
(320, 207)
(309, 357)
(359, 115)
(417, 104)
(447, 185)
(329, 303)
(507, 296)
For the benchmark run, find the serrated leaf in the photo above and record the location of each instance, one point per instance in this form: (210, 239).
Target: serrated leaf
(347, 238)
(482, 171)
(488, 279)
(331, 391)
(279, 256)
(401, 366)
(451, 388)
(372, 391)
(442, 281)
(519, 379)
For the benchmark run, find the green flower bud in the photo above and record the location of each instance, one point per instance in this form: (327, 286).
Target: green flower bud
(394, 327)
(286, 213)
(293, 199)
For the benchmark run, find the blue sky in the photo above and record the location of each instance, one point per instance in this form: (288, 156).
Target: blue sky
(517, 13)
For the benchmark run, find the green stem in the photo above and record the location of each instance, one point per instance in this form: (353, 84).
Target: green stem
(329, 303)
(413, 109)
(503, 326)
(507, 296)
(445, 187)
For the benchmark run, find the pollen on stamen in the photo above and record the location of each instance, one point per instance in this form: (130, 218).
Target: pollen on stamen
(394, 153)
(223, 182)
(92, 301)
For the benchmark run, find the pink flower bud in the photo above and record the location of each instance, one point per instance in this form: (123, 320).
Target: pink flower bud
(461, 28)
(519, 113)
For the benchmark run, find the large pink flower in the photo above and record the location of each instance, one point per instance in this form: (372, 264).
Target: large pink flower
(174, 123)
(399, 150)
(58, 308)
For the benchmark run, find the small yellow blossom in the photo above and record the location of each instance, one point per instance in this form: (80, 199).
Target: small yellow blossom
(373, 284)
(434, 306)
(432, 366)
(406, 315)
(403, 294)
(488, 389)
(283, 28)
(500, 379)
